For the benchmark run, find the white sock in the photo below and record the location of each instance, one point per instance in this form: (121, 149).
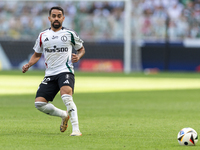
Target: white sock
(50, 109)
(72, 110)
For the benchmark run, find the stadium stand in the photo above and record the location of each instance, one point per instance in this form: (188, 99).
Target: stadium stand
(23, 20)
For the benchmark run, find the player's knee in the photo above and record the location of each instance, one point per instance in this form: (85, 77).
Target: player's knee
(66, 90)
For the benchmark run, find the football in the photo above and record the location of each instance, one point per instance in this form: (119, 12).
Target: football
(187, 136)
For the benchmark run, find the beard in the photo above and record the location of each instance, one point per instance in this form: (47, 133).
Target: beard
(56, 26)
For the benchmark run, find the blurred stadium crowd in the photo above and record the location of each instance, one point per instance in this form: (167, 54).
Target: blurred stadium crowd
(23, 20)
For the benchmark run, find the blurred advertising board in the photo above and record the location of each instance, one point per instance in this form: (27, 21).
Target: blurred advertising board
(104, 65)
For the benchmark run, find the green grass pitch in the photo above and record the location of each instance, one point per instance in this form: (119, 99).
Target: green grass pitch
(116, 112)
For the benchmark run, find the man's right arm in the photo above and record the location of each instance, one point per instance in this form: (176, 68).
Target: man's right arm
(34, 59)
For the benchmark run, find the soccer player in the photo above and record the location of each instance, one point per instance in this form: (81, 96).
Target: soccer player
(56, 43)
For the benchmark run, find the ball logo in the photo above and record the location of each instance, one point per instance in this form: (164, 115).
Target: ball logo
(181, 132)
(64, 38)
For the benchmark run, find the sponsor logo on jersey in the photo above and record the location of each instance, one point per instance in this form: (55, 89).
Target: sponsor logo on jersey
(56, 49)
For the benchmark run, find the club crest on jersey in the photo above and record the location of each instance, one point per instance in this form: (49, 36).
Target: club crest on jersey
(64, 38)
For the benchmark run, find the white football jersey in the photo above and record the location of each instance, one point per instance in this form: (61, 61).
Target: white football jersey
(57, 49)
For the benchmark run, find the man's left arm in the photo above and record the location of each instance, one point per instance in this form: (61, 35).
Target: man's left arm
(77, 57)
